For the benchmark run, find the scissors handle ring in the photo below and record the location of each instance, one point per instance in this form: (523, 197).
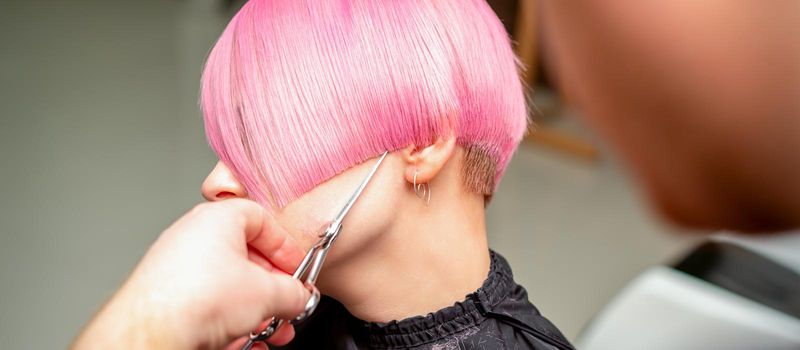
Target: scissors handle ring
(275, 323)
(311, 304)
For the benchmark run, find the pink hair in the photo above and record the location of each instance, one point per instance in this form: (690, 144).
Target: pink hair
(296, 91)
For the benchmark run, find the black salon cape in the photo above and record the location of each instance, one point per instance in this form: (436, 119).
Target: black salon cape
(496, 316)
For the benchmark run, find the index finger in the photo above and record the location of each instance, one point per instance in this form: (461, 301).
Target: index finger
(266, 235)
(277, 245)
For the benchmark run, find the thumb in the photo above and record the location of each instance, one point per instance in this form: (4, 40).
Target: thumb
(282, 296)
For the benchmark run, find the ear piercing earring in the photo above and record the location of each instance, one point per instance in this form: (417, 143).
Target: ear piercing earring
(423, 190)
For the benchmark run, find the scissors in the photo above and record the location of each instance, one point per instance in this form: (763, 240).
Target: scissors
(312, 264)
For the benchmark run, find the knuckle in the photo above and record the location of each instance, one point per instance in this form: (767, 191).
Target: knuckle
(219, 214)
(199, 208)
(207, 210)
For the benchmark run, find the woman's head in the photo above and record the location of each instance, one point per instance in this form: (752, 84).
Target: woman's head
(295, 92)
(298, 93)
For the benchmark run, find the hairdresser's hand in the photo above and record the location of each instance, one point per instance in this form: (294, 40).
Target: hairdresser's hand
(202, 285)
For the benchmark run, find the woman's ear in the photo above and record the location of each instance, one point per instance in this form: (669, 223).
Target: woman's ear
(427, 162)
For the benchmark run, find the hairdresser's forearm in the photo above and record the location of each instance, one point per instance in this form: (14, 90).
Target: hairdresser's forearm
(130, 321)
(196, 287)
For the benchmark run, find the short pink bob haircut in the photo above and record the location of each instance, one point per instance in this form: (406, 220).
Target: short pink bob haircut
(296, 91)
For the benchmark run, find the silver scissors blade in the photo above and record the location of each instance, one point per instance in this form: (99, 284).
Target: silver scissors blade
(349, 204)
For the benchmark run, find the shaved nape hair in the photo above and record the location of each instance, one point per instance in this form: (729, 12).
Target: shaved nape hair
(296, 91)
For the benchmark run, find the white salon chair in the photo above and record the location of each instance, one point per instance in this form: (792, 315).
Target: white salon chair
(730, 293)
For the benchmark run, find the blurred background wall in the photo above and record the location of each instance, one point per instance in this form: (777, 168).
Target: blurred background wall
(103, 146)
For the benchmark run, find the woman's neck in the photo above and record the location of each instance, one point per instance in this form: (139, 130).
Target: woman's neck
(431, 257)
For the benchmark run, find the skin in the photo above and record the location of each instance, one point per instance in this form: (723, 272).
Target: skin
(699, 98)
(196, 288)
(390, 237)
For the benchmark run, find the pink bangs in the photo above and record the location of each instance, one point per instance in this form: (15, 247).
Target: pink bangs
(297, 91)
